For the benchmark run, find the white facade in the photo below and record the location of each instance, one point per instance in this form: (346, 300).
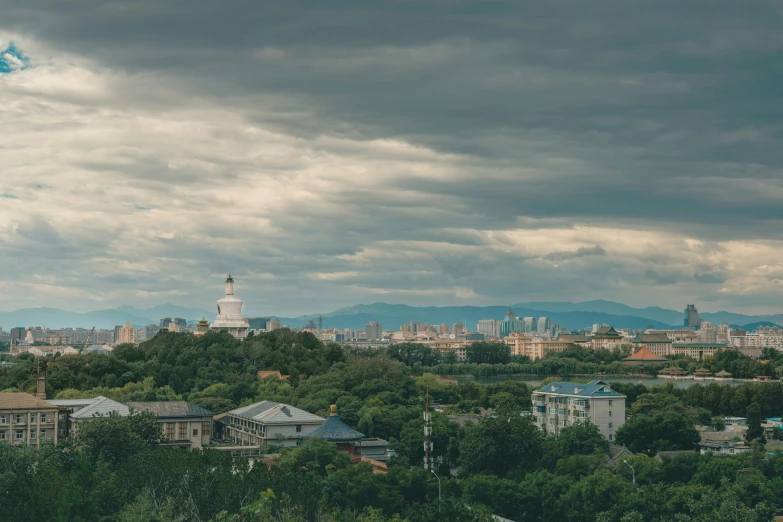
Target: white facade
(229, 318)
(269, 423)
(561, 404)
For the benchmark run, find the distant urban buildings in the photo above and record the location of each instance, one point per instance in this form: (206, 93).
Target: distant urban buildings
(691, 316)
(489, 327)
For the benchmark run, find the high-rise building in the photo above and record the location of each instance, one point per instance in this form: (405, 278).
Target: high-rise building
(150, 331)
(258, 323)
(273, 325)
(489, 327)
(182, 323)
(544, 325)
(374, 331)
(691, 317)
(165, 322)
(529, 324)
(458, 329)
(511, 324)
(127, 334)
(444, 329)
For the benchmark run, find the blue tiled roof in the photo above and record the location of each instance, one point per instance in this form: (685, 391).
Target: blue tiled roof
(594, 388)
(334, 430)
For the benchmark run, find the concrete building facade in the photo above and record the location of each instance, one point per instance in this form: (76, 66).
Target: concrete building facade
(561, 404)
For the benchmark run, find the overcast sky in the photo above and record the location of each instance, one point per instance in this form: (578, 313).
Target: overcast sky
(420, 152)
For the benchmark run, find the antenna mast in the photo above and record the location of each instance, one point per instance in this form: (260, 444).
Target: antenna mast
(427, 432)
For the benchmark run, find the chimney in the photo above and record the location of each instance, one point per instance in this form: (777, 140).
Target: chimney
(41, 394)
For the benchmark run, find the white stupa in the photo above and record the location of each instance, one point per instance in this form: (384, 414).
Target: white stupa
(229, 318)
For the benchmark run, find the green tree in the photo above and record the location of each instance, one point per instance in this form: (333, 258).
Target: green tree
(488, 353)
(755, 429)
(662, 431)
(114, 439)
(500, 444)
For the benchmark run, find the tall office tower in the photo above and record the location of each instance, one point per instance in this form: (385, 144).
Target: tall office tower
(529, 324)
(182, 323)
(374, 331)
(544, 325)
(458, 329)
(489, 327)
(165, 322)
(691, 317)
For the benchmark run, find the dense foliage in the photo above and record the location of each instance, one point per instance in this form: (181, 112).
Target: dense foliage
(506, 466)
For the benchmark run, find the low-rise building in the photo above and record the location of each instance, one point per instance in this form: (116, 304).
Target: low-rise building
(659, 344)
(606, 338)
(27, 419)
(183, 424)
(561, 404)
(268, 423)
(535, 347)
(73, 412)
(697, 351)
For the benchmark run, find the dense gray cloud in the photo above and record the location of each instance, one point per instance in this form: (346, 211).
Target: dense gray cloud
(433, 152)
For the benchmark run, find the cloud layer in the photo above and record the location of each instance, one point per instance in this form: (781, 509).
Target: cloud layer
(436, 152)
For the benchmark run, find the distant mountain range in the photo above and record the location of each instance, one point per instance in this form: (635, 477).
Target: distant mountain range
(55, 318)
(391, 316)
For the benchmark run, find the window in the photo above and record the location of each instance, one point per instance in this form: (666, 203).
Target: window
(195, 431)
(2, 435)
(43, 434)
(43, 417)
(183, 430)
(170, 430)
(298, 428)
(205, 428)
(610, 437)
(19, 418)
(610, 425)
(2, 419)
(610, 402)
(32, 435)
(19, 434)
(62, 416)
(610, 413)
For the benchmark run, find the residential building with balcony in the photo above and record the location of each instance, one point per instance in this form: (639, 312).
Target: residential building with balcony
(561, 404)
(268, 423)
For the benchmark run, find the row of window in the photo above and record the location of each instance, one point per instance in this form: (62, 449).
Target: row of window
(20, 435)
(21, 418)
(183, 430)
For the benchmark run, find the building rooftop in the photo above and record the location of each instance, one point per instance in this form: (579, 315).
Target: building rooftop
(594, 388)
(171, 409)
(651, 338)
(22, 400)
(646, 356)
(101, 406)
(334, 430)
(269, 412)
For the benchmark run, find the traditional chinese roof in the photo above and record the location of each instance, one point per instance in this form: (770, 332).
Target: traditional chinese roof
(607, 332)
(723, 373)
(702, 371)
(673, 370)
(646, 356)
(334, 430)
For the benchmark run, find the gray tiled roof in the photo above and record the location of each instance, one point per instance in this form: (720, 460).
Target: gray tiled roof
(171, 409)
(101, 406)
(269, 412)
(594, 388)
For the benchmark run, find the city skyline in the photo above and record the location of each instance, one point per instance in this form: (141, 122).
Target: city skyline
(486, 154)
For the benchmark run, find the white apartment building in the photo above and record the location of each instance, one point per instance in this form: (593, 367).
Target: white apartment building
(126, 334)
(269, 423)
(561, 404)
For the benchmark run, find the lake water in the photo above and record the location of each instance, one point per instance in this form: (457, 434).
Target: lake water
(535, 380)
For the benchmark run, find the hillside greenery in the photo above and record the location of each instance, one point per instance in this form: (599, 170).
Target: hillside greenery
(114, 471)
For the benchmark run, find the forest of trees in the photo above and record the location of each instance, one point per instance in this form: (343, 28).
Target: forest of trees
(113, 470)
